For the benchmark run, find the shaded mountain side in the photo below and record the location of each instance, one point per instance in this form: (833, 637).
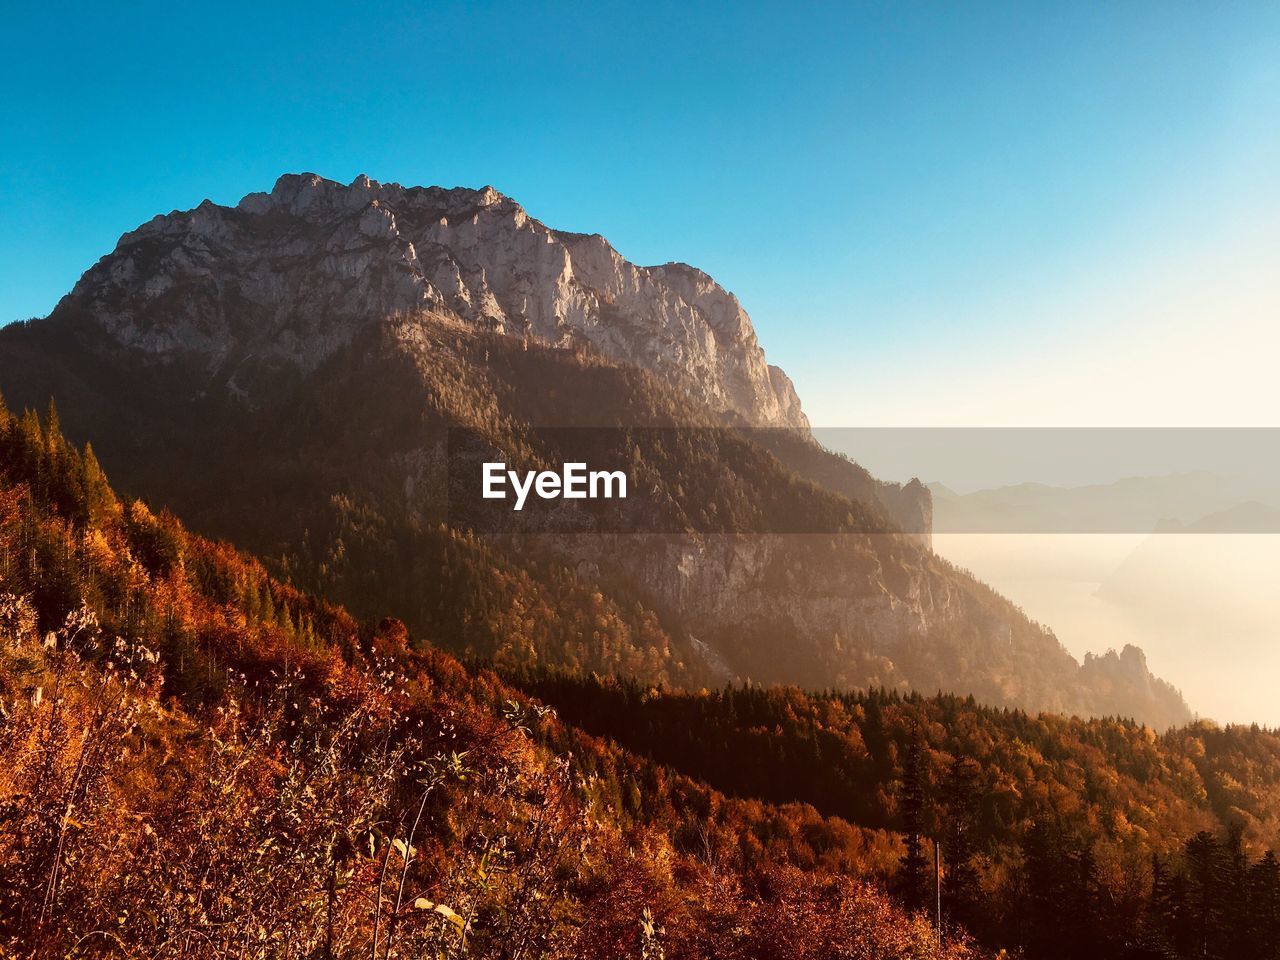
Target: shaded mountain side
(344, 494)
(909, 506)
(284, 374)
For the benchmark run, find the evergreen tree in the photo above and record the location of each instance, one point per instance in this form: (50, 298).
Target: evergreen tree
(1057, 905)
(1263, 927)
(1152, 938)
(1234, 895)
(963, 893)
(99, 501)
(1207, 873)
(913, 876)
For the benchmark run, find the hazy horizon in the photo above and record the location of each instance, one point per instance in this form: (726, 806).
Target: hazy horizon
(1203, 608)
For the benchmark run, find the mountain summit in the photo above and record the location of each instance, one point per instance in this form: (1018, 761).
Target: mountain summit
(286, 374)
(291, 276)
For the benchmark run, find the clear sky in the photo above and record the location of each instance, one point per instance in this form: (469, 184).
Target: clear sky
(936, 214)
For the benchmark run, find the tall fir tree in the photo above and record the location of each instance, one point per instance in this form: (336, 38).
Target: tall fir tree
(1263, 927)
(963, 888)
(913, 875)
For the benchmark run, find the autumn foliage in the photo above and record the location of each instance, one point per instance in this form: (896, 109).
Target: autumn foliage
(201, 761)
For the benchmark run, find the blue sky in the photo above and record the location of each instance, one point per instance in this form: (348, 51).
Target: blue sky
(927, 209)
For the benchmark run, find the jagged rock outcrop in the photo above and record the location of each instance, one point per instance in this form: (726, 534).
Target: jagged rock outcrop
(293, 275)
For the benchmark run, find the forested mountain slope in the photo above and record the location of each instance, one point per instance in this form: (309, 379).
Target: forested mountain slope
(197, 760)
(1154, 845)
(285, 374)
(200, 760)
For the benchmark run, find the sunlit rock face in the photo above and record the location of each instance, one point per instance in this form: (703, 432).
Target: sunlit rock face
(292, 275)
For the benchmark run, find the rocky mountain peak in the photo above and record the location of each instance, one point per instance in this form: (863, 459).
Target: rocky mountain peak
(291, 275)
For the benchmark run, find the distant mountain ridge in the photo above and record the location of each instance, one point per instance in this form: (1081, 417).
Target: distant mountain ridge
(284, 374)
(1128, 505)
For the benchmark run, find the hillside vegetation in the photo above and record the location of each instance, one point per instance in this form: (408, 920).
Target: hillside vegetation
(1033, 811)
(201, 761)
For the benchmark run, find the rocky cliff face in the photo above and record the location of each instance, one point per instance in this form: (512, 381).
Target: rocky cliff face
(293, 275)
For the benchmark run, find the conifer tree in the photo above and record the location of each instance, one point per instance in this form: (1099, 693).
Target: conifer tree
(1207, 872)
(99, 501)
(914, 870)
(963, 885)
(1264, 907)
